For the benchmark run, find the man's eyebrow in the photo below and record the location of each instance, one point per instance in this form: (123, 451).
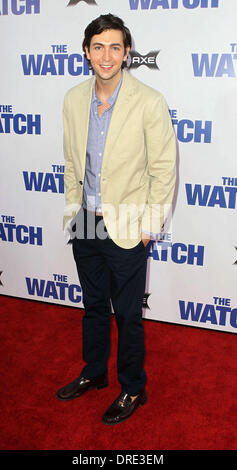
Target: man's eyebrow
(103, 44)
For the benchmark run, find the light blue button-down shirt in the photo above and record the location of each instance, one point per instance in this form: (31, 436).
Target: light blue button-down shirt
(97, 133)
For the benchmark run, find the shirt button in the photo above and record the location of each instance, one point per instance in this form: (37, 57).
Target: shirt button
(102, 133)
(98, 174)
(100, 154)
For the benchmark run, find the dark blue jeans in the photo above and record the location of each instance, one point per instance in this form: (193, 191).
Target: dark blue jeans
(108, 273)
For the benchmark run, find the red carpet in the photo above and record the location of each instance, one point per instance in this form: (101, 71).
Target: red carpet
(191, 386)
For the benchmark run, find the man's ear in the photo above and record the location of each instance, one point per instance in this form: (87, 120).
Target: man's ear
(126, 53)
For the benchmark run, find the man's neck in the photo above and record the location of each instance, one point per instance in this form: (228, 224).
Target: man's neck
(105, 88)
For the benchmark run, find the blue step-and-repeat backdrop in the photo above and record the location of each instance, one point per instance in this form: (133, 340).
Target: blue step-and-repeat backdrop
(187, 49)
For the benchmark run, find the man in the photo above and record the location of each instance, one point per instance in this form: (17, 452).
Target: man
(119, 178)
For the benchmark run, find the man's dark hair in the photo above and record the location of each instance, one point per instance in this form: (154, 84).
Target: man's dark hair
(103, 23)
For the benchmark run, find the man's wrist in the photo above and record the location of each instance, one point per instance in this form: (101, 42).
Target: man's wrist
(145, 238)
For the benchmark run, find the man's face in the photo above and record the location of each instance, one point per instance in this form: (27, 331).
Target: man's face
(107, 54)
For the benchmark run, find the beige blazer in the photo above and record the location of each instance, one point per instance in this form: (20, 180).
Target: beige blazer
(139, 161)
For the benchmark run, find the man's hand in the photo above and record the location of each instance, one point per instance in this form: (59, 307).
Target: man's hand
(145, 238)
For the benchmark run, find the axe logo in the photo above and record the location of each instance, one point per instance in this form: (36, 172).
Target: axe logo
(145, 301)
(75, 2)
(236, 260)
(136, 60)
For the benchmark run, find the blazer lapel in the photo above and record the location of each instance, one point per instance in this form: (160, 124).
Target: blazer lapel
(84, 106)
(119, 115)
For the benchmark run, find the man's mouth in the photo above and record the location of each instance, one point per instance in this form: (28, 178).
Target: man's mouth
(106, 67)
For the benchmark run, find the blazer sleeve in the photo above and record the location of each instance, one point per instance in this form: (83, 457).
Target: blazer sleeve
(70, 183)
(160, 142)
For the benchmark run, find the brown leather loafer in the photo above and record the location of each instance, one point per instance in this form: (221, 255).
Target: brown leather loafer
(123, 407)
(81, 385)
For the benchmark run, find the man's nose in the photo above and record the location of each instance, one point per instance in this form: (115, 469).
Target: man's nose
(107, 54)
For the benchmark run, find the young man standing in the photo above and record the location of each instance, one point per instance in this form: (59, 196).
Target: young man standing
(120, 154)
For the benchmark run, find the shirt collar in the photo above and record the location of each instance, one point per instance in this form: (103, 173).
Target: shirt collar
(112, 98)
